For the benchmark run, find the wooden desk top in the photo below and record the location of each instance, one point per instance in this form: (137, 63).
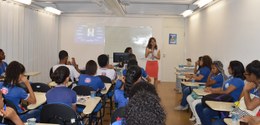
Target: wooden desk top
(108, 86)
(192, 84)
(42, 124)
(200, 92)
(228, 121)
(220, 106)
(31, 73)
(89, 102)
(40, 99)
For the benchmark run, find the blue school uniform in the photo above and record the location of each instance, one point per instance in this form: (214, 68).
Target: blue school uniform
(238, 83)
(219, 80)
(120, 98)
(62, 95)
(144, 74)
(92, 81)
(205, 71)
(3, 66)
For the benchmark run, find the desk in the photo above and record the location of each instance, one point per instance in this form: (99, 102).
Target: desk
(88, 102)
(40, 99)
(42, 124)
(200, 92)
(28, 74)
(228, 121)
(108, 86)
(182, 77)
(193, 84)
(220, 106)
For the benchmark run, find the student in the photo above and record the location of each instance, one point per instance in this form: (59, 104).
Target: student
(62, 94)
(104, 68)
(12, 92)
(128, 50)
(215, 80)
(152, 53)
(188, 61)
(197, 65)
(232, 86)
(133, 62)
(89, 79)
(133, 76)
(3, 64)
(201, 76)
(74, 70)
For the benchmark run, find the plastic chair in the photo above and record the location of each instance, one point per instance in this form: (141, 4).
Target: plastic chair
(59, 114)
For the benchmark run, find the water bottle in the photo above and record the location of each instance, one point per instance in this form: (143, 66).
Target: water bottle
(234, 116)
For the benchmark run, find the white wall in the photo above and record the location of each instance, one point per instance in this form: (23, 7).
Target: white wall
(228, 30)
(30, 37)
(85, 52)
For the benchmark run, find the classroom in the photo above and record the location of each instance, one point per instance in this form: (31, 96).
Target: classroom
(190, 53)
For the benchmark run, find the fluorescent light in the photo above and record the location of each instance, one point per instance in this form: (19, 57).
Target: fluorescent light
(28, 2)
(202, 3)
(187, 13)
(53, 10)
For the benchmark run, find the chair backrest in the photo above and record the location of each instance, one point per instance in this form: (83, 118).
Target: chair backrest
(83, 90)
(105, 79)
(59, 114)
(119, 113)
(40, 87)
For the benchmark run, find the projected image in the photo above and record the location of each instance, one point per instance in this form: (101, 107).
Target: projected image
(90, 34)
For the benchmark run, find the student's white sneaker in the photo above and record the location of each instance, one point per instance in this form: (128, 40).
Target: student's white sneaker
(197, 123)
(181, 108)
(192, 118)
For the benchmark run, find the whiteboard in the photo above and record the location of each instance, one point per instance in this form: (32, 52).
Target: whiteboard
(118, 38)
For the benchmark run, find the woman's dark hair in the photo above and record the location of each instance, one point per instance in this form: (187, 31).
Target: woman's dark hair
(207, 61)
(91, 67)
(133, 73)
(254, 68)
(144, 108)
(60, 74)
(13, 72)
(127, 49)
(103, 60)
(142, 86)
(132, 62)
(237, 69)
(149, 45)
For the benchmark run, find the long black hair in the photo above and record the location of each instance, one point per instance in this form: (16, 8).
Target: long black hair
(149, 45)
(237, 69)
(254, 68)
(133, 73)
(12, 73)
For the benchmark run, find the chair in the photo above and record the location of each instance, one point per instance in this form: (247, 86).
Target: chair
(50, 73)
(40, 87)
(83, 90)
(59, 114)
(105, 79)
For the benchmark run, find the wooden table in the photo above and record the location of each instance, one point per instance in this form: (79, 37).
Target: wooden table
(228, 121)
(193, 84)
(28, 74)
(108, 86)
(200, 92)
(220, 106)
(88, 102)
(40, 99)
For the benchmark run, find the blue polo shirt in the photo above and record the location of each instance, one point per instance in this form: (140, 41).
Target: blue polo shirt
(61, 95)
(219, 80)
(3, 66)
(204, 71)
(92, 81)
(14, 94)
(144, 74)
(238, 83)
(120, 98)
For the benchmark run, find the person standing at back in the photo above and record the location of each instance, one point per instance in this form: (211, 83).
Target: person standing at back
(152, 53)
(3, 64)
(103, 62)
(74, 70)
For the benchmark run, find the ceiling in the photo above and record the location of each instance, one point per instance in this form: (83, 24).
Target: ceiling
(119, 7)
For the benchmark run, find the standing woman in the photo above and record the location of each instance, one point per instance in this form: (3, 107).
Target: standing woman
(152, 53)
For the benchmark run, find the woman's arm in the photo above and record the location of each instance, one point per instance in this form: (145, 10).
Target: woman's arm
(251, 104)
(158, 56)
(11, 114)
(31, 99)
(210, 81)
(147, 52)
(230, 89)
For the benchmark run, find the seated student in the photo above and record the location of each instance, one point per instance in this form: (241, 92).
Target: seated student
(12, 92)
(89, 79)
(232, 86)
(251, 92)
(215, 80)
(74, 70)
(135, 63)
(62, 94)
(201, 76)
(133, 75)
(3, 64)
(104, 67)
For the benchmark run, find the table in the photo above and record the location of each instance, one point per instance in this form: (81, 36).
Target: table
(228, 121)
(193, 84)
(200, 92)
(220, 106)
(182, 77)
(105, 91)
(42, 124)
(40, 99)
(88, 102)
(28, 74)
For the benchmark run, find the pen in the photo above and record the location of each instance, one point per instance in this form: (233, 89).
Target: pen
(3, 119)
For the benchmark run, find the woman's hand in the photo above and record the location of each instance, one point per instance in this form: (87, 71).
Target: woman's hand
(249, 86)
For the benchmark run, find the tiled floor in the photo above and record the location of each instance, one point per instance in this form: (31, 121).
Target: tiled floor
(170, 99)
